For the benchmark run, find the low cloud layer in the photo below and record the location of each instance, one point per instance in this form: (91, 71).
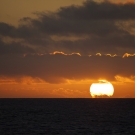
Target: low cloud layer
(56, 68)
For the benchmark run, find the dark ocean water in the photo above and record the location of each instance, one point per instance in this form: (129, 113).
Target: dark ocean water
(67, 116)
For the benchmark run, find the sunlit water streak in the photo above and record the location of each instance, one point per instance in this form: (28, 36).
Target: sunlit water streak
(67, 116)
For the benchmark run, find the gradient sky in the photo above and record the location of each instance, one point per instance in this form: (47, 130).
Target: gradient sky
(52, 48)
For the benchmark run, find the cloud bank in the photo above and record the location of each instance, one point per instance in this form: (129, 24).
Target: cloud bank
(57, 68)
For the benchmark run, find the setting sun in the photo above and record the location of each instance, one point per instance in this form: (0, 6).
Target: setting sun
(102, 88)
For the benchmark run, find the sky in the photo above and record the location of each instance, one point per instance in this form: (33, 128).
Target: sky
(57, 49)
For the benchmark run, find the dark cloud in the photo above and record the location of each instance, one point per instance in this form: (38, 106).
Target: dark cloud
(56, 68)
(98, 11)
(14, 48)
(6, 29)
(98, 23)
(24, 30)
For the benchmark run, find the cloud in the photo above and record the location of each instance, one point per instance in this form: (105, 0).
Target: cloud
(128, 55)
(6, 29)
(92, 27)
(95, 11)
(14, 48)
(125, 79)
(57, 68)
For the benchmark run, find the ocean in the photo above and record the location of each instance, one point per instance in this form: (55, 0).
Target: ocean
(100, 116)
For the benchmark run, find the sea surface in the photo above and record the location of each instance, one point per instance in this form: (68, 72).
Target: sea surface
(67, 116)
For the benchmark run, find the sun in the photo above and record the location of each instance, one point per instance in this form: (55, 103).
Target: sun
(101, 89)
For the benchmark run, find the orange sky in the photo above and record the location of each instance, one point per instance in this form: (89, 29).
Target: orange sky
(12, 11)
(74, 89)
(57, 49)
(78, 87)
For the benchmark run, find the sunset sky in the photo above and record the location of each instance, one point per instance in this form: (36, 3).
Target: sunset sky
(58, 48)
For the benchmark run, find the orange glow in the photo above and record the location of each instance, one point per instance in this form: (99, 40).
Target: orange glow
(128, 55)
(58, 52)
(98, 54)
(29, 87)
(102, 88)
(111, 55)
